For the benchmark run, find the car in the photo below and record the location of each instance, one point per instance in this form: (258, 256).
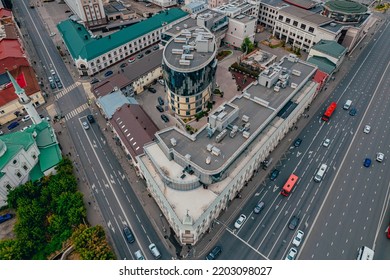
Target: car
(297, 142)
(131, 60)
(214, 253)
(138, 255)
(259, 206)
(44, 118)
(56, 79)
(85, 125)
(155, 252)
(367, 129)
(380, 157)
(67, 11)
(59, 85)
(291, 254)
(148, 51)
(326, 142)
(24, 128)
(52, 34)
(53, 85)
(161, 81)
(240, 221)
(152, 90)
(123, 65)
(90, 118)
(388, 232)
(140, 56)
(352, 112)
(108, 73)
(12, 125)
(128, 234)
(367, 162)
(26, 118)
(164, 118)
(52, 72)
(156, 47)
(160, 100)
(274, 174)
(298, 238)
(94, 81)
(5, 217)
(148, 4)
(294, 222)
(160, 108)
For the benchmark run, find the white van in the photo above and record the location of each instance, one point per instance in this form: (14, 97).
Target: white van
(347, 104)
(155, 252)
(320, 173)
(365, 253)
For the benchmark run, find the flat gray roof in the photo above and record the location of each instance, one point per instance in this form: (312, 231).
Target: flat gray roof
(305, 15)
(244, 18)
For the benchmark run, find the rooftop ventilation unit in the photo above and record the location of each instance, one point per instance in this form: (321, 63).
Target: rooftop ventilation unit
(173, 141)
(177, 51)
(234, 131)
(216, 151)
(277, 88)
(209, 147)
(221, 135)
(296, 72)
(294, 85)
(245, 118)
(187, 56)
(180, 40)
(208, 160)
(246, 134)
(184, 62)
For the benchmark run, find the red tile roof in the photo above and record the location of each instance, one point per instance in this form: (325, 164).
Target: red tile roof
(10, 48)
(5, 13)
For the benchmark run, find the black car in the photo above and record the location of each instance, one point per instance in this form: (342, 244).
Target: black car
(160, 108)
(294, 222)
(274, 174)
(214, 253)
(353, 112)
(123, 65)
(148, 52)
(160, 100)
(152, 90)
(59, 85)
(53, 85)
(128, 235)
(94, 81)
(164, 118)
(156, 47)
(90, 119)
(297, 142)
(56, 79)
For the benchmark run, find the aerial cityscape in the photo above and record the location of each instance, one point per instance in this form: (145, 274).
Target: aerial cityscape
(194, 130)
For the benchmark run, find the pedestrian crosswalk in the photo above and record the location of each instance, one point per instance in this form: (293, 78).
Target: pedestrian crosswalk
(76, 111)
(66, 90)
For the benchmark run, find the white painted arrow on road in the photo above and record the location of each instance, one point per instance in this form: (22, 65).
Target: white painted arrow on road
(111, 226)
(275, 188)
(94, 188)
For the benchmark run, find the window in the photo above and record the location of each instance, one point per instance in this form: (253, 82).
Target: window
(18, 174)
(14, 161)
(25, 167)
(311, 29)
(303, 26)
(295, 23)
(288, 20)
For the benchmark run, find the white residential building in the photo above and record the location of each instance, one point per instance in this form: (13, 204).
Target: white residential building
(240, 27)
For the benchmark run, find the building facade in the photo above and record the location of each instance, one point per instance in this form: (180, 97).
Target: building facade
(91, 12)
(189, 67)
(239, 28)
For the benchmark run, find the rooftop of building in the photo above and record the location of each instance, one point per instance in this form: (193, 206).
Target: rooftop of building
(4, 13)
(304, 4)
(10, 48)
(82, 45)
(243, 18)
(305, 15)
(331, 48)
(110, 84)
(274, 3)
(346, 7)
(324, 64)
(190, 49)
(111, 102)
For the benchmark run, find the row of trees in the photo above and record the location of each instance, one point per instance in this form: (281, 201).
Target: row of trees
(47, 213)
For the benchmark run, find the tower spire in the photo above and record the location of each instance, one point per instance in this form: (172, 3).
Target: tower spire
(25, 101)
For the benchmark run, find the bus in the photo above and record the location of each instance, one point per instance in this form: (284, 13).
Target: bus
(365, 253)
(329, 111)
(289, 185)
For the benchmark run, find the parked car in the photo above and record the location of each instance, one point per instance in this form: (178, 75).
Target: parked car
(90, 118)
(214, 253)
(161, 81)
(152, 90)
(148, 51)
(367, 129)
(297, 142)
(26, 118)
(164, 118)
(160, 100)
(293, 222)
(352, 112)
(132, 59)
(108, 73)
(5, 217)
(259, 206)
(292, 253)
(94, 81)
(140, 56)
(85, 125)
(52, 85)
(326, 143)
(274, 174)
(56, 78)
(298, 238)
(123, 65)
(160, 108)
(12, 125)
(367, 162)
(156, 47)
(380, 157)
(59, 84)
(128, 234)
(240, 221)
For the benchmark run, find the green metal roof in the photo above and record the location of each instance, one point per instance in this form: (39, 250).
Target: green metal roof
(346, 7)
(15, 142)
(331, 48)
(324, 64)
(81, 45)
(36, 173)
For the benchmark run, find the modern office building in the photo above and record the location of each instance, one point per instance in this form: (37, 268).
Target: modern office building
(189, 66)
(194, 177)
(90, 12)
(345, 11)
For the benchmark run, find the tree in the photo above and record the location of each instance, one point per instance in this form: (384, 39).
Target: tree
(247, 46)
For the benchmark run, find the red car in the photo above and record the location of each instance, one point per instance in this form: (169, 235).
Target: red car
(388, 232)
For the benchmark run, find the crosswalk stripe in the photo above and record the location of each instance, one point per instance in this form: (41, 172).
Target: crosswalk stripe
(67, 90)
(76, 111)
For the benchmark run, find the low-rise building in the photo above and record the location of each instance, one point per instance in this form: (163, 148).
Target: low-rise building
(240, 27)
(327, 55)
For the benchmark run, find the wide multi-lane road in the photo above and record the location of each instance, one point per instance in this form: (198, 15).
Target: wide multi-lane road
(347, 209)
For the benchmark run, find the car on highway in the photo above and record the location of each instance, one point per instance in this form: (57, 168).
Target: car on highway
(160, 108)
(367, 162)
(352, 112)
(326, 143)
(85, 125)
(155, 252)
(367, 129)
(128, 234)
(90, 119)
(294, 222)
(12, 125)
(108, 73)
(297, 142)
(388, 232)
(259, 206)
(298, 238)
(123, 65)
(52, 72)
(5, 217)
(380, 157)
(240, 221)
(164, 118)
(26, 118)
(138, 255)
(131, 60)
(160, 100)
(292, 253)
(152, 90)
(94, 81)
(214, 253)
(274, 174)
